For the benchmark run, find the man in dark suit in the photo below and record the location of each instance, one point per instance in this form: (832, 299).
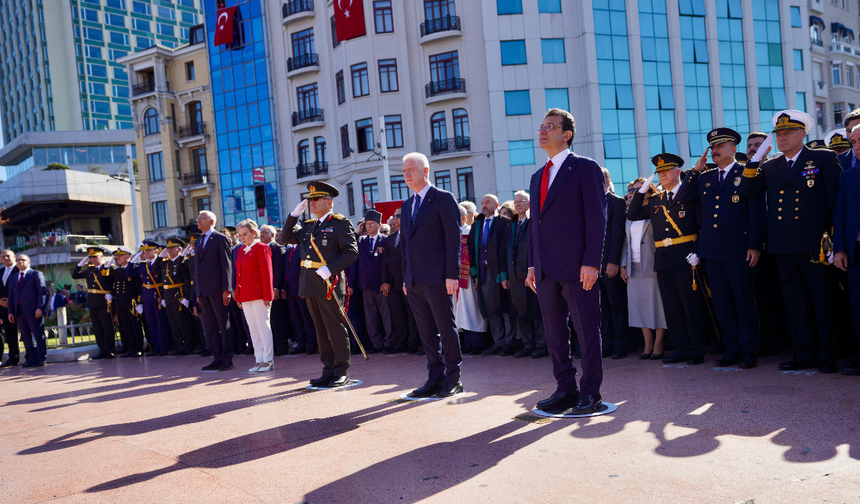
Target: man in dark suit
(377, 317)
(328, 246)
(80, 296)
(214, 284)
(488, 269)
(613, 290)
(27, 299)
(99, 278)
(304, 334)
(8, 330)
(849, 159)
(730, 243)
(123, 298)
(280, 312)
(403, 327)
(431, 275)
(800, 189)
(568, 224)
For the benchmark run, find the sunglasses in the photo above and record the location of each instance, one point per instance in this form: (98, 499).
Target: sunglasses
(317, 199)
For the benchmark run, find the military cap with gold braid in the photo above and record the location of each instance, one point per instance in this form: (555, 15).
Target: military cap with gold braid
(96, 250)
(230, 229)
(837, 139)
(194, 237)
(666, 161)
(120, 251)
(792, 119)
(719, 135)
(816, 144)
(741, 158)
(321, 190)
(149, 245)
(175, 242)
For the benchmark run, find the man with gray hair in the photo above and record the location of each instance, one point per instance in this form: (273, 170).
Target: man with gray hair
(471, 211)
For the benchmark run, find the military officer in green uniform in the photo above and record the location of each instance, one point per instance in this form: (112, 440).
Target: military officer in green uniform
(327, 245)
(99, 279)
(176, 298)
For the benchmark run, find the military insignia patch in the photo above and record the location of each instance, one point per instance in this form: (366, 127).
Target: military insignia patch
(735, 198)
(810, 183)
(708, 184)
(681, 214)
(324, 243)
(737, 181)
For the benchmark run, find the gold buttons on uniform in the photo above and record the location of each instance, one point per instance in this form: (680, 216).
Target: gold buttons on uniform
(797, 200)
(781, 192)
(779, 209)
(717, 206)
(797, 192)
(796, 209)
(718, 197)
(715, 225)
(780, 200)
(779, 218)
(715, 216)
(796, 218)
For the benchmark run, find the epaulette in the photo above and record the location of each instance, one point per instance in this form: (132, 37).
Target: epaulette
(338, 216)
(659, 193)
(309, 221)
(709, 170)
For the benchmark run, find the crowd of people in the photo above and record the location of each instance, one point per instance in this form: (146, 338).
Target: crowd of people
(750, 254)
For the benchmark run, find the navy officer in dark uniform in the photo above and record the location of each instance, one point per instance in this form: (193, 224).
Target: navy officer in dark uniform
(730, 242)
(327, 245)
(99, 279)
(800, 188)
(676, 230)
(837, 141)
(149, 272)
(124, 298)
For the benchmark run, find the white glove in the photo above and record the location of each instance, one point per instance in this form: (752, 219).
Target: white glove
(139, 309)
(759, 154)
(187, 250)
(163, 254)
(324, 273)
(108, 298)
(184, 303)
(163, 303)
(111, 263)
(693, 259)
(300, 208)
(83, 262)
(830, 257)
(647, 184)
(135, 257)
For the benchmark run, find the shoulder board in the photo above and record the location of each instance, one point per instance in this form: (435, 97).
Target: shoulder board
(310, 221)
(338, 216)
(658, 193)
(709, 170)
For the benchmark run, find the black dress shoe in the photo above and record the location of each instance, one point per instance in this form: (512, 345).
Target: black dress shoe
(675, 359)
(525, 352)
(280, 353)
(619, 355)
(413, 350)
(153, 354)
(559, 400)
(373, 350)
(540, 352)
(645, 356)
(450, 389)
(172, 353)
(9, 363)
(206, 353)
(322, 381)
(606, 353)
(851, 368)
(692, 361)
(429, 389)
(657, 356)
(388, 350)
(507, 351)
(748, 361)
(213, 366)
(298, 350)
(184, 352)
(99, 357)
(130, 355)
(339, 381)
(828, 367)
(28, 364)
(493, 350)
(420, 352)
(226, 366)
(798, 364)
(164, 354)
(476, 350)
(312, 351)
(587, 403)
(728, 360)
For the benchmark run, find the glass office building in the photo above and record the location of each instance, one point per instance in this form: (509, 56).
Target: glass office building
(243, 116)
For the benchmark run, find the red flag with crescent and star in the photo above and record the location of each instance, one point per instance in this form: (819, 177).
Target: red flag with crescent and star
(224, 25)
(349, 19)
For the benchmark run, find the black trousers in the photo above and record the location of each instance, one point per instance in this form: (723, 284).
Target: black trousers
(216, 328)
(854, 293)
(613, 314)
(731, 284)
(181, 328)
(303, 325)
(434, 314)
(9, 335)
(806, 284)
(683, 312)
(280, 318)
(104, 330)
(404, 330)
(130, 330)
(239, 326)
(332, 336)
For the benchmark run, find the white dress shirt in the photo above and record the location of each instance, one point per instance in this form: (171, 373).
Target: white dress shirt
(557, 161)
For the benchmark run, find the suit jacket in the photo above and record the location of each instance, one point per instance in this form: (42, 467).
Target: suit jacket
(613, 243)
(370, 263)
(391, 269)
(213, 265)
(4, 288)
(846, 218)
(496, 257)
(800, 202)
(569, 232)
(524, 302)
(646, 249)
(335, 239)
(30, 296)
(278, 264)
(685, 216)
(254, 273)
(845, 159)
(431, 243)
(292, 269)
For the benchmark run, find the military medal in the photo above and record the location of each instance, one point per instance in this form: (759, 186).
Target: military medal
(735, 198)
(810, 183)
(737, 181)
(324, 242)
(707, 184)
(681, 214)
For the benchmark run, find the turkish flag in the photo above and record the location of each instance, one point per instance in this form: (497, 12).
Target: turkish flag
(349, 19)
(224, 25)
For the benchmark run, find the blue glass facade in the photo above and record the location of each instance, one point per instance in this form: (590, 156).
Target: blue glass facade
(732, 70)
(659, 100)
(616, 92)
(247, 158)
(768, 54)
(697, 82)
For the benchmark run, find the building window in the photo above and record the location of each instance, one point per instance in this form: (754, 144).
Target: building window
(382, 16)
(399, 189)
(350, 199)
(696, 79)
(360, 85)
(798, 59)
(308, 98)
(769, 64)
(155, 166)
(364, 135)
(189, 71)
(513, 52)
(466, 184)
(801, 101)
(204, 204)
(393, 131)
(522, 152)
(442, 179)
(557, 98)
(837, 74)
(517, 103)
(444, 68)
(438, 127)
(198, 158)
(735, 104)
(388, 76)
(334, 41)
(150, 122)
(341, 87)
(549, 6)
(344, 141)
(795, 17)
(370, 192)
(837, 113)
(320, 149)
(159, 214)
(552, 50)
(303, 43)
(504, 7)
(304, 152)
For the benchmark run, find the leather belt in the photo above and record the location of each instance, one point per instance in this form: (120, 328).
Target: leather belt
(308, 264)
(96, 291)
(174, 286)
(668, 242)
(152, 286)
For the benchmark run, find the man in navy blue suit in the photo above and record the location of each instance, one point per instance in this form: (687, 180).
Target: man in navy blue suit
(848, 159)
(568, 225)
(27, 298)
(431, 273)
(846, 239)
(377, 317)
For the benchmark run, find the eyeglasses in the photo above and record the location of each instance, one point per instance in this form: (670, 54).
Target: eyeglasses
(548, 128)
(633, 190)
(396, 216)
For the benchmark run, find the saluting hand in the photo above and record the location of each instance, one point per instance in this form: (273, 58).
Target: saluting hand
(588, 277)
(702, 162)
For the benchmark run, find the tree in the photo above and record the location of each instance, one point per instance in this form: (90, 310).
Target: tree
(55, 166)
(96, 169)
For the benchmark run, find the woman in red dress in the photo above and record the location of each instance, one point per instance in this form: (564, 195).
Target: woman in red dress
(254, 292)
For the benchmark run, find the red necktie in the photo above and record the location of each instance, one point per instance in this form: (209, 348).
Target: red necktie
(544, 183)
(20, 278)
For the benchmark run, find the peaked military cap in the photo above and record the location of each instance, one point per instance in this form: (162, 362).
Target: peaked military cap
(719, 135)
(837, 139)
(792, 119)
(816, 144)
(121, 250)
(666, 161)
(96, 250)
(175, 242)
(149, 245)
(194, 237)
(741, 157)
(321, 189)
(230, 229)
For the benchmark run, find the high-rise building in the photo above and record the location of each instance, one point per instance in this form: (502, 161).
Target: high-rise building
(59, 70)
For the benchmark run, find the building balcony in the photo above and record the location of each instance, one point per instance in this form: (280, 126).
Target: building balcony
(303, 63)
(440, 28)
(841, 49)
(820, 88)
(196, 179)
(447, 89)
(451, 147)
(143, 88)
(311, 169)
(295, 10)
(192, 130)
(308, 118)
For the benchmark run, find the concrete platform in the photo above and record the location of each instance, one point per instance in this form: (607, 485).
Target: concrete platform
(159, 431)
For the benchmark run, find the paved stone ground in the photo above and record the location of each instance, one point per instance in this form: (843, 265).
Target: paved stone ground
(159, 431)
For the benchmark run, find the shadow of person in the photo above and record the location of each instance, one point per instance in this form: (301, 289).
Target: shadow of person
(263, 444)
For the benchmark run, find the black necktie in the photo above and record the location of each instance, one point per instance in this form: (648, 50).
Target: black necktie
(722, 176)
(669, 196)
(415, 205)
(397, 239)
(788, 165)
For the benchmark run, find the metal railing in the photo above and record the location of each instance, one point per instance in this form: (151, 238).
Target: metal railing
(79, 334)
(196, 178)
(143, 88)
(296, 6)
(818, 42)
(310, 169)
(442, 24)
(446, 86)
(193, 129)
(302, 61)
(307, 115)
(449, 145)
